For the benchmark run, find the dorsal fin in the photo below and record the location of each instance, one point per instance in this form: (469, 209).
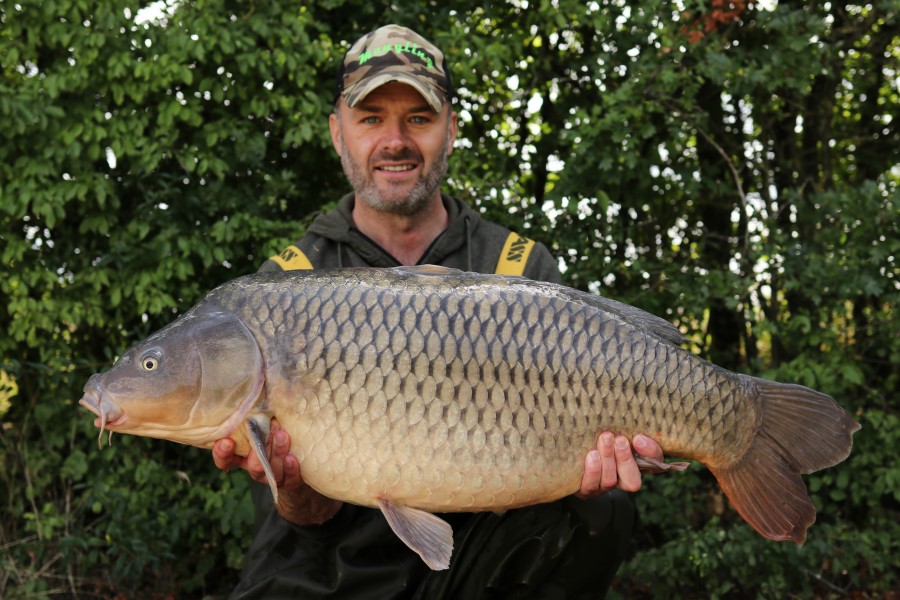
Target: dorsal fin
(632, 315)
(428, 270)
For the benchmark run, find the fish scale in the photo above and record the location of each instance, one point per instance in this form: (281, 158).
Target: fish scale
(429, 389)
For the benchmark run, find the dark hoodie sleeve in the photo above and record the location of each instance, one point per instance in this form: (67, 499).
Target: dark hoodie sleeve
(542, 266)
(269, 266)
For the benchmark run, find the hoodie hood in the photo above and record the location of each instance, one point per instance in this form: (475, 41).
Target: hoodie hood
(337, 226)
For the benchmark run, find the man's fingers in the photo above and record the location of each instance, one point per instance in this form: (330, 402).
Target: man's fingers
(628, 473)
(277, 448)
(609, 476)
(292, 478)
(646, 446)
(281, 444)
(285, 466)
(590, 481)
(611, 464)
(223, 455)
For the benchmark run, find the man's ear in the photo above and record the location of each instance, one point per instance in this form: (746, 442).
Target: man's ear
(452, 131)
(334, 124)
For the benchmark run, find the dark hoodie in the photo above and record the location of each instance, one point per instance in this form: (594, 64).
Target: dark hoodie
(469, 243)
(568, 549)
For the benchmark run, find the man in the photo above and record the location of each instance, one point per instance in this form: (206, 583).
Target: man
(394, 129)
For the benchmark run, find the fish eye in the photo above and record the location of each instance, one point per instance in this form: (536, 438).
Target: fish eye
(150, 361)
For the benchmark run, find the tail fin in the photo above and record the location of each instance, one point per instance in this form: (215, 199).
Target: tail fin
(802, 431)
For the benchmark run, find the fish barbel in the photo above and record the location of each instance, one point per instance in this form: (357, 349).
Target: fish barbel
(425, 389)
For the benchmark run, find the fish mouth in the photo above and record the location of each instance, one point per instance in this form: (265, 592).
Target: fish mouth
(108, 412)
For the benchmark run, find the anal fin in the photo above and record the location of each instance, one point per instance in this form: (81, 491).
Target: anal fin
(427, 535)
(651, 465)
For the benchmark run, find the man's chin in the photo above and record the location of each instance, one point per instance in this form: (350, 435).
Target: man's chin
(397, 202)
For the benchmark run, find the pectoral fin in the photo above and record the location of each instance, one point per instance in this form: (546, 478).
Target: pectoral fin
(427, 535)
(258, 434)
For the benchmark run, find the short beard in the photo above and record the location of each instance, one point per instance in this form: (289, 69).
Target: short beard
(418, 197)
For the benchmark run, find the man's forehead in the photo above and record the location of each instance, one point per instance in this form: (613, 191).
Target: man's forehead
(394, 92)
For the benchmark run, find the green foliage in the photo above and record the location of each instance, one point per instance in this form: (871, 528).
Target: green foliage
(733, 168)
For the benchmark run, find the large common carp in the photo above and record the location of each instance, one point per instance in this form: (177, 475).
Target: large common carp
(425, 389)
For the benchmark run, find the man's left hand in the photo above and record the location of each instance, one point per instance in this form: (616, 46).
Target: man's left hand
(611, 465)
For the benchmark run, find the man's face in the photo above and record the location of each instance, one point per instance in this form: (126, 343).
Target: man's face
(394, 147)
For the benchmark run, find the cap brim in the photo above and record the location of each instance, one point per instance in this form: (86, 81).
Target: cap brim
(355, 93)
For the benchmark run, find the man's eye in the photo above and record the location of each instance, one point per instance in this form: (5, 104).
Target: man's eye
(370, 120)
(419, 120)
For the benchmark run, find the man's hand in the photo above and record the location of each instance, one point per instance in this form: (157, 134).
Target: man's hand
(284, 464)
(297, 502)
(610, 464)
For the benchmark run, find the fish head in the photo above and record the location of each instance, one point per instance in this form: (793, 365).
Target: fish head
(192, 382)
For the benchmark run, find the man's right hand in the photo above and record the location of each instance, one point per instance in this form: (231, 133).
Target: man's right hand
(297, 502)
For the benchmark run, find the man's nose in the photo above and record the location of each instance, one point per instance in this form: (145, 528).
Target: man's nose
(396, 135)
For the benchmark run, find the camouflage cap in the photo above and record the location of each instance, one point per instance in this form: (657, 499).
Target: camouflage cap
(394, 53)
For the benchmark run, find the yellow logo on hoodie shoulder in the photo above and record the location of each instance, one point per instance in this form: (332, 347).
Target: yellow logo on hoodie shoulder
(292, 259)
(514, 255)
